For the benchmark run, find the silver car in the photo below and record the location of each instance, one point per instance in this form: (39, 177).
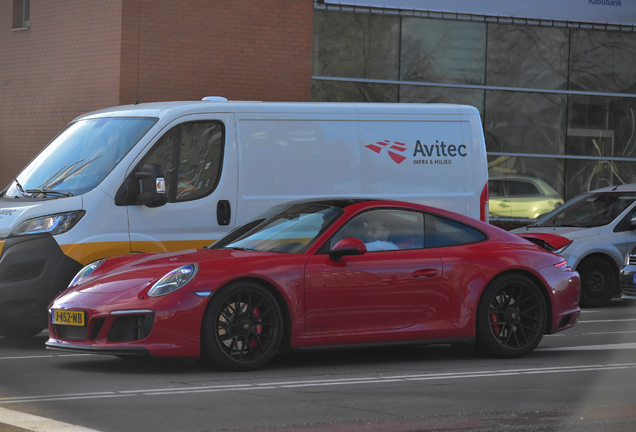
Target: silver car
(601, 232)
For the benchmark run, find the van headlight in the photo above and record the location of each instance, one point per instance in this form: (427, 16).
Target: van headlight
(85, 272)
(52, 224)
(173, 280)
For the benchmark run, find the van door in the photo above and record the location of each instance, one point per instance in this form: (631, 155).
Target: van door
(198, 158)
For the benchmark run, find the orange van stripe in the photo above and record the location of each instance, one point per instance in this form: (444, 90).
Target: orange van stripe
(86, 253)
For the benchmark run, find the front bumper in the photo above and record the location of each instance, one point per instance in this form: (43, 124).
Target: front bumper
(123, 324)
(33, 270)
(628, 283)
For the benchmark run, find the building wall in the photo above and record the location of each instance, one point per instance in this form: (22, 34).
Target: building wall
(558, 103)
(84, 55)
(67, 62)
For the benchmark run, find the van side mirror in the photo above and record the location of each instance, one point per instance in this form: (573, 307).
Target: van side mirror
(152, 185)
(145, 187)
(632, 223)
(347, 246)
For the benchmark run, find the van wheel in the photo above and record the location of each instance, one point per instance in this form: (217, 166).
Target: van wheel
(242, 327)
(598, 281)
(511, 317)
(17, 332)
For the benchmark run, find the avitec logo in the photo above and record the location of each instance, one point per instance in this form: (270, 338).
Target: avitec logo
(7, 212)
(392, 148)
(439, 153)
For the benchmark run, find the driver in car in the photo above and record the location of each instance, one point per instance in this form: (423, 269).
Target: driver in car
(378, 236)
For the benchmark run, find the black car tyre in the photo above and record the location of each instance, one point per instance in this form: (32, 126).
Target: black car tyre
(242, 327)
(598, 282)
(511, 317)
(16, 332)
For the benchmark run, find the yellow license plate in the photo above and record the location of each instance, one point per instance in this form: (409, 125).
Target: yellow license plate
(67, 317)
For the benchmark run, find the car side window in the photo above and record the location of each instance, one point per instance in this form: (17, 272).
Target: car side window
(191, 156)
(385, 229)
(441, 232)
(522, 188)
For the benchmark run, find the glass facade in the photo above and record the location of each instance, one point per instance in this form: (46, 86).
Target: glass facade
(557, 104)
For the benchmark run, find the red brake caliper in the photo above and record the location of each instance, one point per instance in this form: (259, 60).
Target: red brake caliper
(495, 327)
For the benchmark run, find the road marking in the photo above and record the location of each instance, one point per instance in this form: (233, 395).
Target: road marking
(317, 383)
(36, 423)
(606, 321)
(44, 356)
(590, 333)
(621, 346)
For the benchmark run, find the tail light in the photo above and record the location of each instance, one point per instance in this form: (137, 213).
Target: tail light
(483, 204)
(563, 266)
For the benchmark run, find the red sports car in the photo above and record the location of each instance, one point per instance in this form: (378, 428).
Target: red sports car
(321, 273)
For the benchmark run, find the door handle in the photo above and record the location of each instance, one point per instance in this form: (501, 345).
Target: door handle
(425, 273)
(223, 212)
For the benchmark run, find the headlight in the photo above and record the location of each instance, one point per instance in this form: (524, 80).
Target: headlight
(53, 224)
(173, 280)
(85, 272)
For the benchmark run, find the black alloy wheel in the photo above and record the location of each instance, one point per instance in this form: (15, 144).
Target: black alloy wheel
(242, 327)
(598, 282)
(511, 317)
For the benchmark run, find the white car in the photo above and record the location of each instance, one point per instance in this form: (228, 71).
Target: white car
(601, 230)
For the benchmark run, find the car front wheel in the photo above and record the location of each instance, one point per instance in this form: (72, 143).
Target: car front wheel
(511, 317)
(242, 327)
(598, 281)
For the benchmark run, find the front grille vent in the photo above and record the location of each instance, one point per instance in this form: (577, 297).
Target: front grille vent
(131, 328)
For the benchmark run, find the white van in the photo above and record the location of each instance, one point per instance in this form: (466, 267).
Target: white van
(170, 176)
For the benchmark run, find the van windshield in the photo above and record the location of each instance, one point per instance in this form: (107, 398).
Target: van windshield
(80, 157)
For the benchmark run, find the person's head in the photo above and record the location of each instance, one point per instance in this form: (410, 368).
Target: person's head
(376, 230)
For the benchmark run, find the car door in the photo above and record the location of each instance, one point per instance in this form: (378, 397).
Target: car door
(198, 158)
(378, 290)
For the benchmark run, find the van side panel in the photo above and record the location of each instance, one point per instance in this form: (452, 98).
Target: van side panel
(299, 156)
(421, 159)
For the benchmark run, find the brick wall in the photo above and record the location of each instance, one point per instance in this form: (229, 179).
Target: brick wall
(66, 63)
(82, 55)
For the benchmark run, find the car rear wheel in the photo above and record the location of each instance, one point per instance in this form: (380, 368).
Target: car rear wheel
(242, 327)
(598, 281)
(511, 317)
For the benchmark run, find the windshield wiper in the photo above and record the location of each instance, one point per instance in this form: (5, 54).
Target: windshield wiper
(20, 189)
(45, 192)
(237, 248)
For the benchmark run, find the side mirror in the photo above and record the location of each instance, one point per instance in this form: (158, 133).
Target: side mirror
(152, 185)
(146, 187)
(347, 246)
(632, 223)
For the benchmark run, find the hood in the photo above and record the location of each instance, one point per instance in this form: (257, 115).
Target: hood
(571, 233)
(137, 272)
(14, 211)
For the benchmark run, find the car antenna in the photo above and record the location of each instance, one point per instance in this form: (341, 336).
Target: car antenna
(144, 90)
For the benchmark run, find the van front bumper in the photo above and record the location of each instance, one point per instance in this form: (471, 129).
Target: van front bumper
(33, 270)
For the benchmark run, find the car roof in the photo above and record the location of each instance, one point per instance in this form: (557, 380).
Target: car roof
(619, 188)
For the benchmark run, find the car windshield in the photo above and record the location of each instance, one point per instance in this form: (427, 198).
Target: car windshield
(289, 228)
(80, 157)
(588, 210)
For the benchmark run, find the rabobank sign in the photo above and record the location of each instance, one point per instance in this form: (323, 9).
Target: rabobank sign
(578, 11)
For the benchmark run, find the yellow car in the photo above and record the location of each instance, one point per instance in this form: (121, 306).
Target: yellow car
(521, 197)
